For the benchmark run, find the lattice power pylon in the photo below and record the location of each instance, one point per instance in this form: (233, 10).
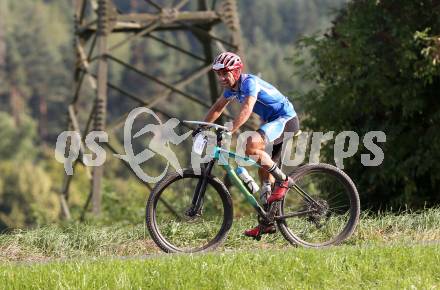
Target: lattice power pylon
(97, 20)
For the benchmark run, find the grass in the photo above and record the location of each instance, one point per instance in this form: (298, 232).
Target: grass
(387, 252)
(81, 240)
(345, 267)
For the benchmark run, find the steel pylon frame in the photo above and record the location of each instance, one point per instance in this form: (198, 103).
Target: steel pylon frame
(96, 20)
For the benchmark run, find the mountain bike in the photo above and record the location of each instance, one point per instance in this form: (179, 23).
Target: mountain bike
(192, 212)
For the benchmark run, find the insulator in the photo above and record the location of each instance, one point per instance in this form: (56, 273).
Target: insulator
(229, 14)
(99, 115)
(102, 17)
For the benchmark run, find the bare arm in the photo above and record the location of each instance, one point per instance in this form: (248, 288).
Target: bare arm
(245, 112)
(216, 110)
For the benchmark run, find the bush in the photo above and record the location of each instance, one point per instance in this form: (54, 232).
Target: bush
(378, 69)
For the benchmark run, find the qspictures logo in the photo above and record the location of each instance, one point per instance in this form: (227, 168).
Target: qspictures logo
(164, 135)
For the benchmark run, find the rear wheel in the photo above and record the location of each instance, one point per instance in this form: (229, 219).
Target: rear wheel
(322, 208)
(169, 224)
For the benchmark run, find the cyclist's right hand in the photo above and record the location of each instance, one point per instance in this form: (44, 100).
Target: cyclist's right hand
(199, 129)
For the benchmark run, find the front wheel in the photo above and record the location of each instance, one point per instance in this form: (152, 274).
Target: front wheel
(322, 208)
(169, 224)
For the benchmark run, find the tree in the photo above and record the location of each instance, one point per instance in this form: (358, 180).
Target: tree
(32, 61)
(378, 69)
(26, 195)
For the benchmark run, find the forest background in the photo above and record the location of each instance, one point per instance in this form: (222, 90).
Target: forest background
(358, 65)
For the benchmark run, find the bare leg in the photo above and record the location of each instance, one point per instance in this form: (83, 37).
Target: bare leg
(264, 175)
(255, 149)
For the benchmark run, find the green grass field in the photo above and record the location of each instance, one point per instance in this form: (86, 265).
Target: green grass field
(387, 252)
(346, 267)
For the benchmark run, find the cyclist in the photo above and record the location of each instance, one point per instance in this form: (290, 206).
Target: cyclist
(277, 114)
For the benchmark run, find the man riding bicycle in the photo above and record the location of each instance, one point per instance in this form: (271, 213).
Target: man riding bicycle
(278, 117)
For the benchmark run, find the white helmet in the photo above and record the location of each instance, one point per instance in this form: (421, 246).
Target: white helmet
(228, 61)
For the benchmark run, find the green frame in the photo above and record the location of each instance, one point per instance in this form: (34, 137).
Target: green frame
(222, 155)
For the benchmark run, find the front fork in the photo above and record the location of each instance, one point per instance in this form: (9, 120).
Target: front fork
(199, 193)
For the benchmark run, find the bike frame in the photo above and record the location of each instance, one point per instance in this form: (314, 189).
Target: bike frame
(222, 155)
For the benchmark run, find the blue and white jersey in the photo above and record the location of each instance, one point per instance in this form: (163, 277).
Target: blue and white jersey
(270, 105)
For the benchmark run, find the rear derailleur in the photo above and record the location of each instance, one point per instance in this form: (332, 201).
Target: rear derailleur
(320, 210)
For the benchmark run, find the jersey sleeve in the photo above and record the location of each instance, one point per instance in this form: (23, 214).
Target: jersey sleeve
(250, 87)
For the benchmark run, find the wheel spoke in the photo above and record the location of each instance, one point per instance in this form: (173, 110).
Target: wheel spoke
(333, 196)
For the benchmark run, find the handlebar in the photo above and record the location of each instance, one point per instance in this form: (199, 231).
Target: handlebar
(210, 125)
